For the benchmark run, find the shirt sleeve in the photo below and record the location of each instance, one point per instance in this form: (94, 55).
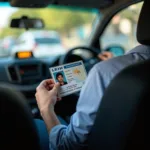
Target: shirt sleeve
(74, 136)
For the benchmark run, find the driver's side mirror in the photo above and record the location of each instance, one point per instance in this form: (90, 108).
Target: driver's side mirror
(116, 50)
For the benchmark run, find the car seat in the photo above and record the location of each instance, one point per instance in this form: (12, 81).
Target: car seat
(17, 129)
(123, 111)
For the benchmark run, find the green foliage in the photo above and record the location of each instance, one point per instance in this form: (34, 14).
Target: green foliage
(132, 12)
(61, 20)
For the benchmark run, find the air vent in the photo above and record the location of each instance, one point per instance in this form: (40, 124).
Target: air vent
(13, 74)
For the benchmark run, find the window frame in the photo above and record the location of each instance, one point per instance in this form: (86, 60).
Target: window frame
(104, 22)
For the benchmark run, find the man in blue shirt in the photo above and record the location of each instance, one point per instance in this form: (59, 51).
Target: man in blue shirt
(75, 135)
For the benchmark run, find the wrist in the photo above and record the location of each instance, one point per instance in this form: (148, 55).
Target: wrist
(47, 110)
(49, 118)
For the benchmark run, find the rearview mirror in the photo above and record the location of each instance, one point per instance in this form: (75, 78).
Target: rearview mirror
(27, 23)
(117, 50)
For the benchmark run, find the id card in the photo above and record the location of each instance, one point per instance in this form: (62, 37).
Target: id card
(70, 76)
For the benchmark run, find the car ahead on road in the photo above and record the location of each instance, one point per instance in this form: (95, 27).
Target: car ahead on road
(41, 43)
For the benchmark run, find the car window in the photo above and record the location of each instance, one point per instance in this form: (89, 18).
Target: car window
(121, 31)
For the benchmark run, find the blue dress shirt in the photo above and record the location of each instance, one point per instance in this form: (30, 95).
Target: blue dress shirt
(75, 135)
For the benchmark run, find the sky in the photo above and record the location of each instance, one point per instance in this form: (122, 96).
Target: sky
(5, 13)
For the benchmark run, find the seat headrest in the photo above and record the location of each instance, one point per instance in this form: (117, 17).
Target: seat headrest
(121, 118)
(18, 130)
(143, 30)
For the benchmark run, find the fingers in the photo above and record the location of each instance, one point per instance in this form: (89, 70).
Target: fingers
(50, 81)
(58, 96)
(51, 86)
(105, 56)
(48, 84)
(108, 55)
(102, 57)
(56, 88)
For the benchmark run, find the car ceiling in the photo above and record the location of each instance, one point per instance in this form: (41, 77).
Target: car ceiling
(100, 4)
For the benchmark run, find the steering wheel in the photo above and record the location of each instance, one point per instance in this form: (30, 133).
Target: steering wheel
(87, 62)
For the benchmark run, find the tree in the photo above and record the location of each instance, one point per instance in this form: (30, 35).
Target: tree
(62, 20)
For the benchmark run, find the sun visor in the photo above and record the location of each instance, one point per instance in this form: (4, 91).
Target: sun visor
(79, 3)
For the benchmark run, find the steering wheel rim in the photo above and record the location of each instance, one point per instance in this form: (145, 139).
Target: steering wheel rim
(63, 59)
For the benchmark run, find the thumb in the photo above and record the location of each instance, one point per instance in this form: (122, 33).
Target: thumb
(56, 88)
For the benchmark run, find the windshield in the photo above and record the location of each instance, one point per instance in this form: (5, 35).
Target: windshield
(64, 29)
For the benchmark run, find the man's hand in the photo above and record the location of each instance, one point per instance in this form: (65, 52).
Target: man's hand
(47, 94)
(105, 56)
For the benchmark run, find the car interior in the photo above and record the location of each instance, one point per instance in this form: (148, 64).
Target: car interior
(115, 26)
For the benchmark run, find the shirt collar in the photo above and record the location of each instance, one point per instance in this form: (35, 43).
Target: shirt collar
(140, 49)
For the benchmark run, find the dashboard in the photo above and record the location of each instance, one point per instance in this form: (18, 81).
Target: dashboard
(25, 72)
(24, 75)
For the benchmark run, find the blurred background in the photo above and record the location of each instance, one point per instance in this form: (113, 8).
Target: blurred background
(65, 29)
